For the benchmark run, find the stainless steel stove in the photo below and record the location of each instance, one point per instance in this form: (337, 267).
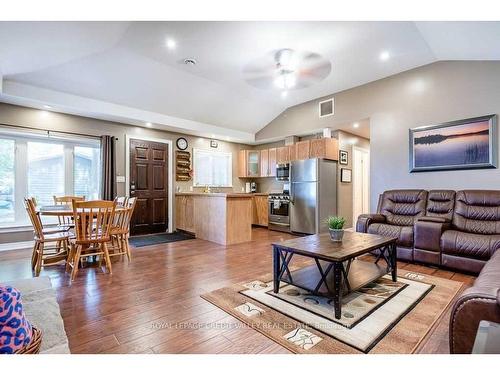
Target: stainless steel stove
(279, 212)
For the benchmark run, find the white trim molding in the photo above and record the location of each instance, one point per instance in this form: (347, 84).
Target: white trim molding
(170, 175)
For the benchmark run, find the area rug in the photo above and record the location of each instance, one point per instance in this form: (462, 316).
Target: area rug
(42, 310)
(383, 317)
(155, 239)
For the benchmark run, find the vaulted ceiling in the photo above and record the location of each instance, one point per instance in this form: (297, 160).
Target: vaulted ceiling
(124, 71)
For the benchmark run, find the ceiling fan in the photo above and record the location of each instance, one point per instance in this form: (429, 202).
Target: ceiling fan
(287, 69)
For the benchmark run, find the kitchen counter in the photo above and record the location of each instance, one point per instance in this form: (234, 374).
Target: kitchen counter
(224, 218)
(230, 195)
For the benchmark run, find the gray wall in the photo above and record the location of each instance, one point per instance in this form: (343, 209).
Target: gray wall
(435, 93)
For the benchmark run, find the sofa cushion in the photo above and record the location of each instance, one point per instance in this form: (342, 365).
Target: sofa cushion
(440, 203)
(402, 207)
(469, 245)
(402, 233)
(477, 211)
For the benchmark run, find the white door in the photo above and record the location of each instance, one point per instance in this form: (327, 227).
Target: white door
(361, 183)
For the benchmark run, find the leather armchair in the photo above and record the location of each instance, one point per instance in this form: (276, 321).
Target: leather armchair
(397, 212)
(479, 302)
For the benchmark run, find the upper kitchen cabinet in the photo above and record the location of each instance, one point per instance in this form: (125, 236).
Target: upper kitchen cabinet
(264, 163)
(282, 155)
(327, 148)
(303, 150)
(249, 163)
(272, 162)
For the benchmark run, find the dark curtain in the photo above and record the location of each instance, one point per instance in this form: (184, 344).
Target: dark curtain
(108, 158)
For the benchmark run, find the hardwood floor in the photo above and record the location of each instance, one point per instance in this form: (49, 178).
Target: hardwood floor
(153, 304)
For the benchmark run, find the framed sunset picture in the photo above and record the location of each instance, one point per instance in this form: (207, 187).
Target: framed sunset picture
(463, 144)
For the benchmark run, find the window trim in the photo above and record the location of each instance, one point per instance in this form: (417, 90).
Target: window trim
(230, 168)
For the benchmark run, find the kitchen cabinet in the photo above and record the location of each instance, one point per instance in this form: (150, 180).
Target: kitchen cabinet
(303, 150)
(292, 152)
(264, 163)
(184, 213)
(282, 155)
(272, 162)
(327, 148)
(260, 209)
(249, 163)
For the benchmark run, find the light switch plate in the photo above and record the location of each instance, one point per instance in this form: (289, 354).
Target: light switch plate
(120, 178)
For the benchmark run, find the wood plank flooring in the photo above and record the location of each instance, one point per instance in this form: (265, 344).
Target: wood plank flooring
(153, 304)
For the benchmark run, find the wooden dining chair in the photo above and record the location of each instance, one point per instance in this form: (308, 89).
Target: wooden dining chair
(121, 201)
(120, 231)
(93, 222)
(57, 241)
(66, 200)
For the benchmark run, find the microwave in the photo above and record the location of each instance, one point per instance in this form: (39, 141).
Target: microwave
(283, 172)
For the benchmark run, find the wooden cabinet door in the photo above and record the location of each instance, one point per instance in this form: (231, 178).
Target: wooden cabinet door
(264, 163)
(292, 152)
(272, 162)
(180, 212)
(253, 164)
(324, 148)
(260, 210)
(283, 155)
(242, 163)
(303, 150)
(148, 183)
(189, 214)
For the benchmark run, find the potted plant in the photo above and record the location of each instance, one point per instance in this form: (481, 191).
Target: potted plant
(335, 226)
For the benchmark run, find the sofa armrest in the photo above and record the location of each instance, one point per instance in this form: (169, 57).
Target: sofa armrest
(434, 219)
(428, 233)
(474, 305)
(365, 220)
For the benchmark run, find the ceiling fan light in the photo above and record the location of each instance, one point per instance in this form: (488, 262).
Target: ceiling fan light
(285, 81)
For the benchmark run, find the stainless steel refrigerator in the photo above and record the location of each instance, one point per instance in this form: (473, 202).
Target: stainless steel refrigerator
(313, 194)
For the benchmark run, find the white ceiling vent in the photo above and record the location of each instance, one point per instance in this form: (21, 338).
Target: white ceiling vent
(326, 108)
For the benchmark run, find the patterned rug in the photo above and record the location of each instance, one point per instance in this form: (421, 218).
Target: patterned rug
(383, 317)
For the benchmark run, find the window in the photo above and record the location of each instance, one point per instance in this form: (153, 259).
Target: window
(212, 168)
(7, 147)
(87, 172)
(39, 166)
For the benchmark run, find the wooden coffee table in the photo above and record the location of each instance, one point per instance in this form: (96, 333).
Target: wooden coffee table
(336, 272)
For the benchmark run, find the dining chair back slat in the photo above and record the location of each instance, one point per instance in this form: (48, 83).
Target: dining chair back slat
(93, 220)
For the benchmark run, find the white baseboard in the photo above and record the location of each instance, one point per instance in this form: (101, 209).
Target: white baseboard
(17, 245)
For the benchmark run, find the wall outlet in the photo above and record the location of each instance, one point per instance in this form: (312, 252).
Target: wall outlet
(242, 189)
(191, 188)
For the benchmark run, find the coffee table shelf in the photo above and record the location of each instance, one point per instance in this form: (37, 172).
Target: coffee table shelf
(360, 274)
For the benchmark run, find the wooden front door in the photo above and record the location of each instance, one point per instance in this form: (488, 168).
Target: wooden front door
(148, 183)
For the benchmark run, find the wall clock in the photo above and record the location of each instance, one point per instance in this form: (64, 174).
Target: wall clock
(182, 143)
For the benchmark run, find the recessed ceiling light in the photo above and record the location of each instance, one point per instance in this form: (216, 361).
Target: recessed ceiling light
(171, 44)
(355, 125)
(384, 55)
(284, 94)
(148, 124)
(47, 106)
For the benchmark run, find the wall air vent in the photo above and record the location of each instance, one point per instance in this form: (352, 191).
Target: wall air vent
(326, 108)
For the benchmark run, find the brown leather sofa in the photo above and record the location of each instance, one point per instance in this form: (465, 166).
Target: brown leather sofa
(458, 230)
(479, 302)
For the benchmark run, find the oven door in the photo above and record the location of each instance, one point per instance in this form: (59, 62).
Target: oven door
(279, 215)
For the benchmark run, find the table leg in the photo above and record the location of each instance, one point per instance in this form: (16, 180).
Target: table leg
(276, 269)
(337, 289)
(394, 262)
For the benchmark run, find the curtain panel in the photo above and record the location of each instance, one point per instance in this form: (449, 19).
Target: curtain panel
(108, 158)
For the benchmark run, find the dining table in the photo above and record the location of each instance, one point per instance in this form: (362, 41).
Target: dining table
(62, 210)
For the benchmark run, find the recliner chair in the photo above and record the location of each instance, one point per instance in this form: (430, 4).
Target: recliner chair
(397, 213)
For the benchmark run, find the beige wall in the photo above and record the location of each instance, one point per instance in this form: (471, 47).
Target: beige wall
(22, 116)
(435, 93)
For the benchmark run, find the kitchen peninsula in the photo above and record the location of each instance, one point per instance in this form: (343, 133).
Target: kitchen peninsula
(224, 218)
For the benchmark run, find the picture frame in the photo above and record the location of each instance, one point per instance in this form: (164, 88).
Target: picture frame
(343, 157)
(463, 144)
(345, 175)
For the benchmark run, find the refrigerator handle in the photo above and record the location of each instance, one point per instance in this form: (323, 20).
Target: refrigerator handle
(291, 182)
